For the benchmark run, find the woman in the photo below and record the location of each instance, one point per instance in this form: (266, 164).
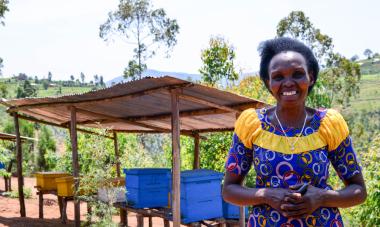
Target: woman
(289, 145)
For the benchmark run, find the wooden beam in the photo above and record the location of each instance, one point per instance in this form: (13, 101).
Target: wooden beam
(74, 149)
(116, 119)
(196, 151)
(62, 126)
(207, 103)
(184, 133)
(97, 100)
(19, 166)
(176, 169)
(115, 142)
(190, 113)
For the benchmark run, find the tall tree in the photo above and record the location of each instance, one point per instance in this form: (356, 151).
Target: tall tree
(218, 62)
(339, 78)
(50, 76)
(144, 27)
(46, 143)
(82, 77)
(368, 53)
(3, 9)
(96, 79)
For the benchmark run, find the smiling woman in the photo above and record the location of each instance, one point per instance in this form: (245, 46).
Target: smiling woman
(291, 147)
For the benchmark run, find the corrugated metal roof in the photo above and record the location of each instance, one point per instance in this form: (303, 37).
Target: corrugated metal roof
(142, 105)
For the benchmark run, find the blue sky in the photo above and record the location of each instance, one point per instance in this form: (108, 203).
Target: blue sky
(63, 36)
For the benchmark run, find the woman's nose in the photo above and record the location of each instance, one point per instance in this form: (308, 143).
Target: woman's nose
(288, 81)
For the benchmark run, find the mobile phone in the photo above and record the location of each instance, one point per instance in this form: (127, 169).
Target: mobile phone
(302, 189)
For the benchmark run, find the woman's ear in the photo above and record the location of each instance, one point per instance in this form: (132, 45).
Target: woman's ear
(312, 78)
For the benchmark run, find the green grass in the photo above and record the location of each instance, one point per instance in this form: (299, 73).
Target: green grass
(369, 96)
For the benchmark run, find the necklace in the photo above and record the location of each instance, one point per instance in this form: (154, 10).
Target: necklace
(287, 138)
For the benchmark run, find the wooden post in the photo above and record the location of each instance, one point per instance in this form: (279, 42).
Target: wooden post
(19, 166)
(176, 169)
(242, 216)
(196, 151)
(116, 154)
(74, 148)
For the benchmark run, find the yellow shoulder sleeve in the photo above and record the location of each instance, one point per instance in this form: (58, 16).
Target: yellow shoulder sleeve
(333, 129)
(248, 127)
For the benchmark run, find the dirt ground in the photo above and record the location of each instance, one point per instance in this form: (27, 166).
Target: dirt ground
(10, 210)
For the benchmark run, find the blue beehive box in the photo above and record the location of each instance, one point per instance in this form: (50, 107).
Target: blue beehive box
(201, 196)
(147, 187)
(2, 165)
(231, 211)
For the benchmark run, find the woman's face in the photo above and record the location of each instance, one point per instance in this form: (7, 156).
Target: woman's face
(289, 78)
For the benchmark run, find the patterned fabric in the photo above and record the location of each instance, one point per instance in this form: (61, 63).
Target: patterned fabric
(275, 169)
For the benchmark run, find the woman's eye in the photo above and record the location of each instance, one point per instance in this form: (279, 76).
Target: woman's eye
(277, 77)
(298, 74)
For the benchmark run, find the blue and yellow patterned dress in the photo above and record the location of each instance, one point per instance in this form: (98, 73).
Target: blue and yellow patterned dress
(325, 141)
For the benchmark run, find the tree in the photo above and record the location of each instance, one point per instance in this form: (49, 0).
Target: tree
(50, 76)
(339, 78)
(218, 62)
(3, 9)
(368, 53)
(354, 58)
(96, 79)
(82, 77)
(45, 84)
(25, 90)
(146, 28)
(101, 81)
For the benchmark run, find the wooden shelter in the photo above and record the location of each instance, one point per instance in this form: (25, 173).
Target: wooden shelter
(12, 138)
(149, 105)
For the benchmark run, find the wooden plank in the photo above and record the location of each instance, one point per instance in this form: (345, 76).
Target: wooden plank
(207, 103)
(196, 151)
(116, 146)
(198, 112)
(74, 148)
(19, 166)
(61, 126)
(90, 113)
(176, 169)
(98, 100)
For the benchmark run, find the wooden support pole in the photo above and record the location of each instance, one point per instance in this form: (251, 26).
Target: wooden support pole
(74, 148)
(196, 151)
(242, 216)
(176, 169)
(116, 154)
(19, 166)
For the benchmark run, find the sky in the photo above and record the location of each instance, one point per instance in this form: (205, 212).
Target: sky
(63, 36)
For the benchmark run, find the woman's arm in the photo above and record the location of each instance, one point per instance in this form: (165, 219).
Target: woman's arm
(353, 194)
(235, 193)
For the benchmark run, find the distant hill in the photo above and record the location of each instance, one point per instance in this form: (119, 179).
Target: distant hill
(156, 73)
(370, 66)
(179, 75)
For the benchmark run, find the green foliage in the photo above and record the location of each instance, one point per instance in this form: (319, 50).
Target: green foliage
(45, 84)
(14, 194)
(214, 150)
(218, 62)
(3, 90)
(46, 159)
(1, 65)
(134, 69)
(368, 53)
(147, 28)
(3, 9)
(25, 89)
(339, 78)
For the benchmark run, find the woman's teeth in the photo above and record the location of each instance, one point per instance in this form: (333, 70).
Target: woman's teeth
(287, 93)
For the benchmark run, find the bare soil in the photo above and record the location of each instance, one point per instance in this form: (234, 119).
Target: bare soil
(10, 210)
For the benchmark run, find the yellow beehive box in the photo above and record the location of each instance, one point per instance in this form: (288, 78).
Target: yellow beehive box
(65, 186)
(46, 180)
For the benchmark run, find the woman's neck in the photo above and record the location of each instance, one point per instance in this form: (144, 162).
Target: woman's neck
(293, 116)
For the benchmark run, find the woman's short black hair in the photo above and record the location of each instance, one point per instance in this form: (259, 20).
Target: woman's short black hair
(269, 48)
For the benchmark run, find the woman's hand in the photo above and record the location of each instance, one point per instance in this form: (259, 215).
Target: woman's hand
(296, 206)
(275, 197)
